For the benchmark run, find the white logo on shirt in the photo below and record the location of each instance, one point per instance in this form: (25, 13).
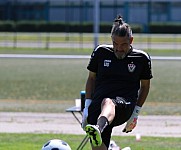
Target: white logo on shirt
(131, 67)
(106, 63)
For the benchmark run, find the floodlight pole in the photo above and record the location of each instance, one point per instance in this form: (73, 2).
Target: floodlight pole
(96, 13)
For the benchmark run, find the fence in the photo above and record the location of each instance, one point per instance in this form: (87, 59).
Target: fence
(81, 11)
(78, 41)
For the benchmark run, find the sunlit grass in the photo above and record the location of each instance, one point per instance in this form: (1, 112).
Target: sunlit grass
(63, 79)
(36, 141)
(86, 37)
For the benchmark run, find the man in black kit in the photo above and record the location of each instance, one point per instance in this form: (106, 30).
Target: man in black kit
(117, 86)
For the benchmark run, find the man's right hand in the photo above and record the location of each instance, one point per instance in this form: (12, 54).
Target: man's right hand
(84, 117)
(85, 113)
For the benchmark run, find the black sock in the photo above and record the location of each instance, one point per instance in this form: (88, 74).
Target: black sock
(102, 122)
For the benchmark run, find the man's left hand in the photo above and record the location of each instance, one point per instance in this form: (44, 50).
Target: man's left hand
(131, 123)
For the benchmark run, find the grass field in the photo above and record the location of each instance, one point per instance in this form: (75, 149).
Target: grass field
(42, 79)
(43, 39)
(36, 141)
(77, 51)
(86, 37)
(62, 79)
(29, 80)
(51, 85)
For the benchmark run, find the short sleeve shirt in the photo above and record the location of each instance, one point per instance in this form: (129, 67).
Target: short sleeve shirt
(119, 77)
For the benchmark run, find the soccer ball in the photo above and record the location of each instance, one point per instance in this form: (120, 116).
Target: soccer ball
(56, 144)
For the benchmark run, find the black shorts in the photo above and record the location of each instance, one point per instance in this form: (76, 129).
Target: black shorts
(124, 108)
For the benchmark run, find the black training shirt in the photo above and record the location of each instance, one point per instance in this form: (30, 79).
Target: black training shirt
(118, 77)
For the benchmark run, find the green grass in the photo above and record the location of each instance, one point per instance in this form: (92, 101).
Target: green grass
(51, 85)
(78, 51)
(42, 79)
(86, 37)
(166, 81)
(27, 83)
(70, 38)
(36, 141)
(52, 51)
(62, 79)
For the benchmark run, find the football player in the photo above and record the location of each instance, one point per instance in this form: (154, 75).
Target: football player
(117, 86)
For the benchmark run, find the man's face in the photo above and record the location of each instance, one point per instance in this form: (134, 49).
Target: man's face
(121, 45)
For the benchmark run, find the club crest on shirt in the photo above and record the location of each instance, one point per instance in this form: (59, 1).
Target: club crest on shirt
(106, 63)
(131, 67)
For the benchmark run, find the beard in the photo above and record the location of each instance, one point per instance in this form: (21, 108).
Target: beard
(120, 55)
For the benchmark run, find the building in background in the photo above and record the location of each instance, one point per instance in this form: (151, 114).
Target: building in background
(134, 11)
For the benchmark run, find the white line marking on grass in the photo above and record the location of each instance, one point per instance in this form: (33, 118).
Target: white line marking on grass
(75, 56)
